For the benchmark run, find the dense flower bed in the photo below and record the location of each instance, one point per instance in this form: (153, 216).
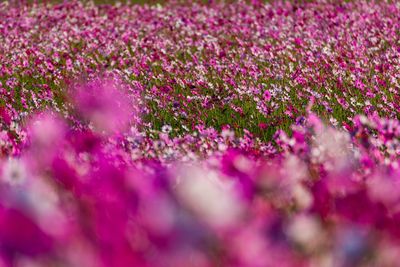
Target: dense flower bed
(243, 134)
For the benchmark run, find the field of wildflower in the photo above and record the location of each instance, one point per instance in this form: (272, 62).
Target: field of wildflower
(200, 134)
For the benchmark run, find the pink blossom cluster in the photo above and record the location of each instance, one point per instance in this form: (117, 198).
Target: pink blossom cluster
(244, 134)
(78, 197)
(188, 59)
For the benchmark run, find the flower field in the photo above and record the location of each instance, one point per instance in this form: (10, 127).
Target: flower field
(200, 134)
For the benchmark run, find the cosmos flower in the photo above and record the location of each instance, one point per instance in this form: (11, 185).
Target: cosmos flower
(106, 106)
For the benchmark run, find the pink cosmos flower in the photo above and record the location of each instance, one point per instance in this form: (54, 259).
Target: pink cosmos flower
(267, 95)
(105, 105)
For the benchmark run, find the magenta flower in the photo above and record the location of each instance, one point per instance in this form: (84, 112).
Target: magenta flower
(105, 105)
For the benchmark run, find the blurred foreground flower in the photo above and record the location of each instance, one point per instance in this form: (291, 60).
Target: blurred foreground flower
(105, 104)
